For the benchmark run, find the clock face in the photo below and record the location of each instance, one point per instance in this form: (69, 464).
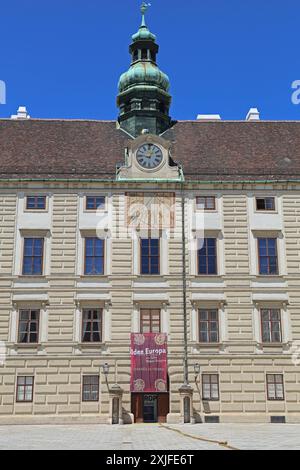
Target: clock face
(149, 156)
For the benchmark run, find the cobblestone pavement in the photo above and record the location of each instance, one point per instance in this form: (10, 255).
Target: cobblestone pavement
(149, 437)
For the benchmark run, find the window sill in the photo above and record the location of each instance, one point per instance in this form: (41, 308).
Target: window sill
(267, 276)
(92, 276)
(34, 211)
(23, 402)
(206, 211)
(273, 345)
(149, 275)
(91, 345)
(208, 276)
(265, 211)
(27, 277)
(207, 400)
(95, 211)
(28, 345)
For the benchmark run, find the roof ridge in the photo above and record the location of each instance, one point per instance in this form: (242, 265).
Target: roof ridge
(59, 120)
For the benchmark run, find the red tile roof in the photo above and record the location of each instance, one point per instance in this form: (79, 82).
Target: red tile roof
(218, 151)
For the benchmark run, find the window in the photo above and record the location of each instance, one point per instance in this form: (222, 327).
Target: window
(95, 202)
(36, 203)
(90, 388)
(135, 55)
(207, 203)
(92, 326)
(29, 326)
(207, 257)
(267, 252)
(33, 256)
(271, 326)
(150, 321)
(208, 326)
(210, 387)
(162, 108)
(144, 54)
(265, 204)
(25, 389)
(150, 259)
(275, 388)
(94, 256)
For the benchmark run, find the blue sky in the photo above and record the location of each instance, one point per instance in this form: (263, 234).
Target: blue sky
(63, 58)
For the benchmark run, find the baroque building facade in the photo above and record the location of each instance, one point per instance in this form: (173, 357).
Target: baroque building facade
(149, 226)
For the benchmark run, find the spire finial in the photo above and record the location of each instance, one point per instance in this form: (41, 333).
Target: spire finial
(144, 8)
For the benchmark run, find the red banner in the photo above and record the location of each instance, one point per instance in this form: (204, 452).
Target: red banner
(148, 362)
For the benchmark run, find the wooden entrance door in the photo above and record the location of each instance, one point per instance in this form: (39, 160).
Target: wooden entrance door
(137, 406)
(163, 407)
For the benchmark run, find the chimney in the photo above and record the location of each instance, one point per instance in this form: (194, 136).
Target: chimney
(253, 115)
(21, 113)
(208, 117)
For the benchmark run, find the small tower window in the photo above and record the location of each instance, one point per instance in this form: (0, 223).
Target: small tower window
(127, 107)
(144, 54)
(146, 104)
(153, 56)
(162, 108)
(135, 55)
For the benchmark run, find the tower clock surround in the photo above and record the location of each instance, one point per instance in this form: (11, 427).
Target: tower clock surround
(149, 158)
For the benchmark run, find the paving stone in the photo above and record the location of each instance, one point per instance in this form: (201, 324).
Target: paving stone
(150, 437)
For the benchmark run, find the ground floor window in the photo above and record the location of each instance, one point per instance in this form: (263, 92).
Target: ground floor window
(25, 389)
(90, 388)
(275, 387)
(210, 387)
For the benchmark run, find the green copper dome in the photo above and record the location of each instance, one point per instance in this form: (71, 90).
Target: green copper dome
(144, 74)
(143, 34)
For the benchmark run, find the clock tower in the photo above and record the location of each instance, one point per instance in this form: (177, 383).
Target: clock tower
(144, 100)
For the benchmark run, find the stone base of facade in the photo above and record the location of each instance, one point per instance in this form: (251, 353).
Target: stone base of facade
(257, 418)
(128, 418)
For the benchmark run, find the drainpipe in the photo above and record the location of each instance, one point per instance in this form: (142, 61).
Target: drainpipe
(185, 331)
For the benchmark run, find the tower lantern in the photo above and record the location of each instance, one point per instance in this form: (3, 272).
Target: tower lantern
(144, 100)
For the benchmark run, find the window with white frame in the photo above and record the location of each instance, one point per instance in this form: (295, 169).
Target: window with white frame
(210, 387)
(208, 326)
(271, 325)
(29, 323)
(92, 322)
